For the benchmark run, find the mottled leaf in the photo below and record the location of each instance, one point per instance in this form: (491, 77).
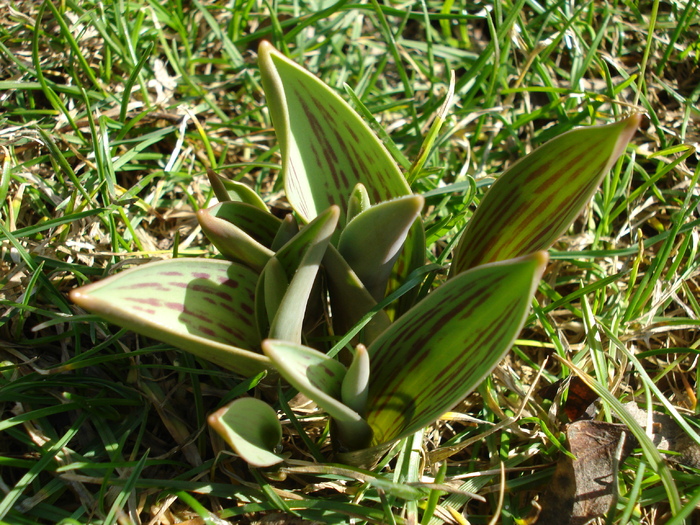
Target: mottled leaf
(319, 378)
(534, 201)
(203, 306)
(327, 149)
(251, 428)
(241, 232)
(442, 348)
(372, 241)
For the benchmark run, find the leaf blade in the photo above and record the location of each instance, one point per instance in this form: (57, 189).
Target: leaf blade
(198, 305)
(431, 358)
(327, 149)
(534, 201)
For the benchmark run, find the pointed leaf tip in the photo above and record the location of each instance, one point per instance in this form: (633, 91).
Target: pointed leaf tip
(327, 149)
(535, 200)
(202, 306)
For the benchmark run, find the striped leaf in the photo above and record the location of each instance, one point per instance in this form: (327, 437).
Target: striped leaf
(202, 306)
(442, 348)
(251, 428)
(534, 202)
(327, 149)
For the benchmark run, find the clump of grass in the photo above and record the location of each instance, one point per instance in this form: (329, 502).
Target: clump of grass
(111, 114)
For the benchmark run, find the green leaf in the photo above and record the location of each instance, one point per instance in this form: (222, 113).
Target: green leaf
(327, 149)
(229, 190)
(356, 381)
(286, 232)
(372, 241)
(300, 258)
(350, 300)
(442, 348)
(358, 202)
(242, 232)
(274, 286)
(251, 428)
(319, 378)
(412, 258)
(534, 201)
(202, 306)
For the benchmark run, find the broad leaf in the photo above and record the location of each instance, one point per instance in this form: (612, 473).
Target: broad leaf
(320, 378)
(372, 241)
(251, 428)
(203, 306)
(534, 201)
(242, 232)
(327, 149)
(442, 348)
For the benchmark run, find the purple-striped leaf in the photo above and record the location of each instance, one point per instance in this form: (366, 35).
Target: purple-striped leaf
(327, 149)
(442, 348)
(251, 428)
(534, 201)
(203, 306)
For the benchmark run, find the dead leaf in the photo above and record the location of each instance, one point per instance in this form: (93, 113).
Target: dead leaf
(584, 488)
(579, 397)
(666, 434)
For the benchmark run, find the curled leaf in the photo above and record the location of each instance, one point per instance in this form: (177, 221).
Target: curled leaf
(356, 381)
(251, 428)
(372, 241)
(320, 378)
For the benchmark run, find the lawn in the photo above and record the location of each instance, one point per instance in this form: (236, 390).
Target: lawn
(111, 114)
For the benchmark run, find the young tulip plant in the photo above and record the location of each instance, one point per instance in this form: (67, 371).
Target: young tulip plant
(326, 270)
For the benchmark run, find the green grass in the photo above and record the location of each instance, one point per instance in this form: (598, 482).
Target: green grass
(110, 113)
